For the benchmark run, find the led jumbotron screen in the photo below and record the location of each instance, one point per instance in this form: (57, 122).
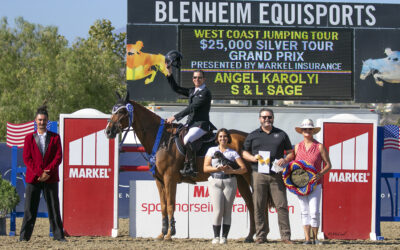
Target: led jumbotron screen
(261, 63)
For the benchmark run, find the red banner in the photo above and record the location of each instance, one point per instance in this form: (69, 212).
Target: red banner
(348, 188)
(88, 178)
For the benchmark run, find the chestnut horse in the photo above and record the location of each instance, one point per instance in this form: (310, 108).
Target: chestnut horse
(146, 125)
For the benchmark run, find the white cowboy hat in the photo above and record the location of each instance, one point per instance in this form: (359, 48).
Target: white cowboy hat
(307, 123)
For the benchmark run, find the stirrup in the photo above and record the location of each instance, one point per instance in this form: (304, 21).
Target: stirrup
(188, 173)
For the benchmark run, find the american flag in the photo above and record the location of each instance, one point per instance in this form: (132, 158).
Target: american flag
(16, 132)
(391, 137)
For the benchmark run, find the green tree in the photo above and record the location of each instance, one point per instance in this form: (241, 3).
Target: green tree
(93, 70)
(38, 66)
(28, 59)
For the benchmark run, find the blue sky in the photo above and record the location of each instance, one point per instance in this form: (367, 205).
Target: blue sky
(72, 17)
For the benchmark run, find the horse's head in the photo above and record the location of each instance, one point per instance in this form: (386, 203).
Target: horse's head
(366, 69)
(121, 118)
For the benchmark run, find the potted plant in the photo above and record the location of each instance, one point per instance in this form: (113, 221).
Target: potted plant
(9, 198)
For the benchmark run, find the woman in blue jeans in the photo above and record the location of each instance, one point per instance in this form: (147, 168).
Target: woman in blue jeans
(222, 184)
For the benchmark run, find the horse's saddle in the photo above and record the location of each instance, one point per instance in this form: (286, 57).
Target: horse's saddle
(201, 145)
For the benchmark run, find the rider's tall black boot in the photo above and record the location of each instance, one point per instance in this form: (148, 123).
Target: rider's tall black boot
(189, 167)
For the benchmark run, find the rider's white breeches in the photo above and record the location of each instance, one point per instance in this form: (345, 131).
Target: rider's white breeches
(193, 134)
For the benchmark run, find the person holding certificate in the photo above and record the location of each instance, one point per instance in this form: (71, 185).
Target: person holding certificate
(265, 148)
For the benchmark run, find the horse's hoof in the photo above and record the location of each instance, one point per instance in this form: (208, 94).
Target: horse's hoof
(168, 236)
(160, 237)
(249, 240)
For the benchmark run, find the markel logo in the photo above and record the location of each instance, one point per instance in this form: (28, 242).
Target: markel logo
(350, 156)
(202, 192)
(91, 150)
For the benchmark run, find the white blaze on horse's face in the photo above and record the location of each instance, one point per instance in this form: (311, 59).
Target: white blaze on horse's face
(118, 121)
(110, 130)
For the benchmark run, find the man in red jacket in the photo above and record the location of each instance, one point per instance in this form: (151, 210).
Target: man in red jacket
(42, 155)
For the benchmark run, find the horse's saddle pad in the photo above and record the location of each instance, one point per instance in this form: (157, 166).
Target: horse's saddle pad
(200, 146)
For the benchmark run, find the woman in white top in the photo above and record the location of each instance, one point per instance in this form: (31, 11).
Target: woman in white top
(222, 184)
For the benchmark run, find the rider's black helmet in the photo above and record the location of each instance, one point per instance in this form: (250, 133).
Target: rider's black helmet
(173, 58)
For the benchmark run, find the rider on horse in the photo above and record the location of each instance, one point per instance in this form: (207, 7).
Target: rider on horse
(198, 110)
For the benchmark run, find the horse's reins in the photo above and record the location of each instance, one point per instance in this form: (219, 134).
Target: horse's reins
(151, 158)
(129, 108)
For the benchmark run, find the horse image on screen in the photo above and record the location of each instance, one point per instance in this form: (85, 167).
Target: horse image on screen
(383, 69)
(141, 65)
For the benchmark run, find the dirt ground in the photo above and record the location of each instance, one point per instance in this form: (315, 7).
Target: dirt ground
(41, 240)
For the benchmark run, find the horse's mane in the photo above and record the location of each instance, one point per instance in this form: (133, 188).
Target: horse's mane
(152, 114)
(171, 128)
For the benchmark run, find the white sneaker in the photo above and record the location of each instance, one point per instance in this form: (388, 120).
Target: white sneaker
(222, 240)
(215, 240)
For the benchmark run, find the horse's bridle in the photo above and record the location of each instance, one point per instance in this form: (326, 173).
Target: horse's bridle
(129, 108)
(151, 158)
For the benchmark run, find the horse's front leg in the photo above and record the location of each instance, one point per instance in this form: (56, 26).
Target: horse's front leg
(151, 77)
(170, 191)
(161, 192)
(378, 80)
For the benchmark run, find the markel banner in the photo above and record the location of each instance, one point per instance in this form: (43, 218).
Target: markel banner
(349, 193)
(193, 213)
(89, 175)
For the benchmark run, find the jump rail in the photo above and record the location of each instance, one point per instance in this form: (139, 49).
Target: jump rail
(133, 168)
